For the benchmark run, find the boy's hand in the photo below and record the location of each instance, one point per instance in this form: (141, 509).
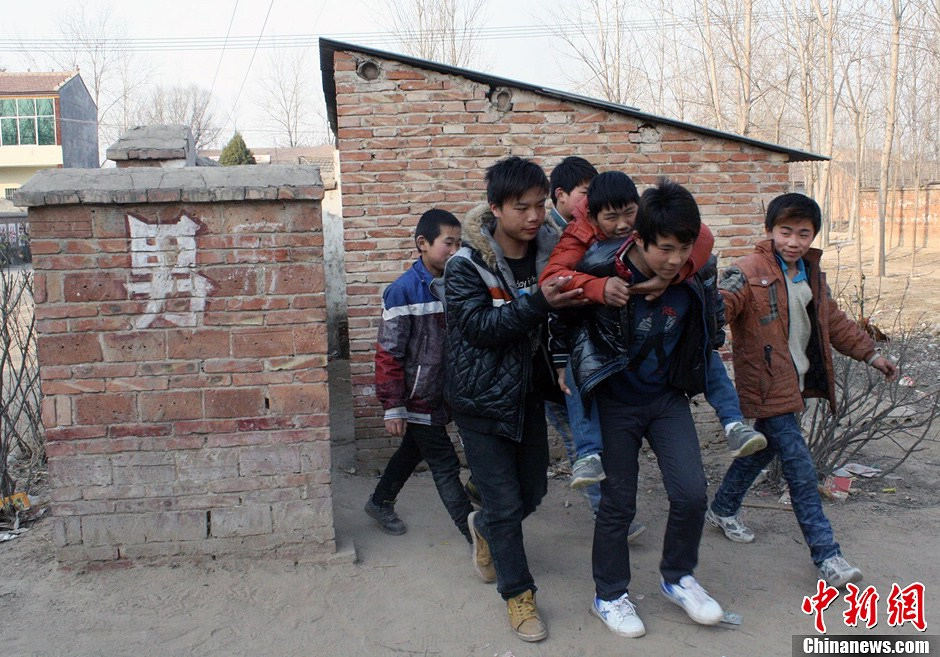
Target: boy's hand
(560, 371)
(886, 367)
(553, 288)
(616, 292)
(652, 288)
(396, 426)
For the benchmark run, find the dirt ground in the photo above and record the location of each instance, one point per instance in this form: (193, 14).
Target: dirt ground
(417, 595)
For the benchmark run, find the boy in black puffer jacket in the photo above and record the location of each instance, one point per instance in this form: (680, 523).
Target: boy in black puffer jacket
(499, 372)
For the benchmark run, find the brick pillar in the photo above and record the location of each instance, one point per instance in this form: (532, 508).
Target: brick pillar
(183, 351)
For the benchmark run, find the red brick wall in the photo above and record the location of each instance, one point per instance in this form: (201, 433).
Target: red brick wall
(209, 438)
(414, 139)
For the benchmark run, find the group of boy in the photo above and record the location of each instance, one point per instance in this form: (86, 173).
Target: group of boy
(614, 304)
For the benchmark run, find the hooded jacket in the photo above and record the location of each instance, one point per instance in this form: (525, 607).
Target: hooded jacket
(493, 333)
(756, 304)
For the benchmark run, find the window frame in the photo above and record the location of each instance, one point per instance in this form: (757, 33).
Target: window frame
(21, 117)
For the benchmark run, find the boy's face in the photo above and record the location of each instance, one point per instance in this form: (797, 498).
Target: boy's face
(792, 238)
(566, 202)
(666, 257)
(617, 222)
(435, 254)
(520, 218)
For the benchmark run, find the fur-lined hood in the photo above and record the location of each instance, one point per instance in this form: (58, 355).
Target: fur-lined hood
(477, 234)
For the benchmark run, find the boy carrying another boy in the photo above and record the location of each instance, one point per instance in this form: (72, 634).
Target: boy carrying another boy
(642, 362)
(499, 372)
(409, 378)
(784, 324)
(612, 203)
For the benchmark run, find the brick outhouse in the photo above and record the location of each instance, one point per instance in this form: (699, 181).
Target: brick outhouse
(414, 134)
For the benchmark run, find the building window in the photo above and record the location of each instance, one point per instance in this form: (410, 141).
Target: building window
(27, 121)
(8, 193)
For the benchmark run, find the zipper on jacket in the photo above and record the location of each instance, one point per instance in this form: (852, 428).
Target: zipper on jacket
(765, 380)
(415, 386)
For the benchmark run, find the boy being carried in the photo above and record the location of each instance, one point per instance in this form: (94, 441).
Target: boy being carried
(784, 324)
(611, 213)
(409, 378)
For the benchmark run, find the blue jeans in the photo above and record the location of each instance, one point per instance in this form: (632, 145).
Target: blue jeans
(720, 392)
(580, 434)
(785, 438)
(666, 421)
(511, 478)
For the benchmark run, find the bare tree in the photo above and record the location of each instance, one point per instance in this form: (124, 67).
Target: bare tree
(827, 20)
(437, 30)
(288, 98)
(189, 105)
(897, 12)
(599, 35)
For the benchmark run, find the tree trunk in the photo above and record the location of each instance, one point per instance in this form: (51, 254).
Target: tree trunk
(890, 121)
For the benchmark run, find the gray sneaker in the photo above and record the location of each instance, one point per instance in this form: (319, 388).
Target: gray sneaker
(838, 572)
(636, 528)
(385, 515)
(586, 471)
(732, 526)
(744, 441)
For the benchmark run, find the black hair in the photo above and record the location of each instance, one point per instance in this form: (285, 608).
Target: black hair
(429, 225)
(613, 190)
(793, 206)
(570, 172)
(668, 209)
(512, 177)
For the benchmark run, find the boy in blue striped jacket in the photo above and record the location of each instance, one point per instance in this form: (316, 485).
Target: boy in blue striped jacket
(409, 378)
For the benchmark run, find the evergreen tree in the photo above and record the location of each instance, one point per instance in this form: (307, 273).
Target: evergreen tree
(236, 152)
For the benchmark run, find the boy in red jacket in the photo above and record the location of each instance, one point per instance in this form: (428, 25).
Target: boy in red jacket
(611, 213)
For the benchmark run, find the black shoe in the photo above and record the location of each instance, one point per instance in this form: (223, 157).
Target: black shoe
(385, 515)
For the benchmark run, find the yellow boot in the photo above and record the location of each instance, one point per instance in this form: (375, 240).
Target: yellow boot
(524, 617)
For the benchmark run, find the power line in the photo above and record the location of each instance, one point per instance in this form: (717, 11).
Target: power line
(247, 70)
(222, 54)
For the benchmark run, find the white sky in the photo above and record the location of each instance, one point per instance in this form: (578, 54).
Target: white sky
(530, 57)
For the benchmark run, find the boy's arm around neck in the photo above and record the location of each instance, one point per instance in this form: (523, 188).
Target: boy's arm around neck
(571, 247)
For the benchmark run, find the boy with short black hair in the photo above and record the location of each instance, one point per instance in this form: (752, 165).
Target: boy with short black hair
(409, 378)
(642, 362)
(784, 324)
(568, 185)
(500, 372)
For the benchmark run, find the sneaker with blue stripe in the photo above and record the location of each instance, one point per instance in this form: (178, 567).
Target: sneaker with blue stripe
(689, 594)
(619, 616)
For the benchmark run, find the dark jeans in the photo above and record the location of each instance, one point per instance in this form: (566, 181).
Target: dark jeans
(785, 438)
(667, 423)
(431, 444)
(511, 478)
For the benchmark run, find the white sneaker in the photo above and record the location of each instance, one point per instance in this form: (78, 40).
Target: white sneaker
(690, 595)
(619, 616)
(732, 526)
(838, 572)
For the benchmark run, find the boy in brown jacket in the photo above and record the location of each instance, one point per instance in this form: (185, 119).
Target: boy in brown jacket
(784, 324)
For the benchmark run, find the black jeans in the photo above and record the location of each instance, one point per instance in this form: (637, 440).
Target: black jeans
(511, 478)
(667, 423)
(431, 444)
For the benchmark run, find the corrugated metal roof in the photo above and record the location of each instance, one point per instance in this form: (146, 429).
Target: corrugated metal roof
(329, 46)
